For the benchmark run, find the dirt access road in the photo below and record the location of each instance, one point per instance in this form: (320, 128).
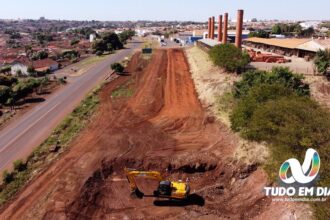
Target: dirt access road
(161, 127)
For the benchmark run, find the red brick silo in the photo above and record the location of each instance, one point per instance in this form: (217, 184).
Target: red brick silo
(209, 29)
(239, 28)
(212, 27)
(220, 29)
(225, 29)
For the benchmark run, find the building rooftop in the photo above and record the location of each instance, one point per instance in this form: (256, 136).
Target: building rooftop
(291, 43)
(43, 63)
(210, 42)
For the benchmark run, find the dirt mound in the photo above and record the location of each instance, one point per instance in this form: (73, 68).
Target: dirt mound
(161, 127)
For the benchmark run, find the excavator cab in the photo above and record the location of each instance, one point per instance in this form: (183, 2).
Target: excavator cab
(166, 188)
(175, 190)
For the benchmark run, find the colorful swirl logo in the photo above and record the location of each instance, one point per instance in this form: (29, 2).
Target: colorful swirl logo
(301, 174)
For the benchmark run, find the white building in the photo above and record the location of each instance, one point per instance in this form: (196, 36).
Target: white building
(92, 38)
(38, 66)
(310, 24)
(16, 67)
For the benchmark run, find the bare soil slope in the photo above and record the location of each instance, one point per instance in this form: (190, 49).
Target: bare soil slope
(161, 127)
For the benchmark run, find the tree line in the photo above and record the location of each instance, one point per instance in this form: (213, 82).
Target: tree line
(110, 41)
(13, 89)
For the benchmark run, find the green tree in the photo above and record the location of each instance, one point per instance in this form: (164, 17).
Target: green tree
(70, 54)
(117, 67)
(28, 51)
(256, 95)
(11, 102)
(322, 61)
(19, 165)
(294, 122)
(126, 35)
(309, 32)
(229, 57)
(99, 53)
(277, 75)
(7, 80)
(259, 33)
(7, 177)
(106, 39)
(5, 69)
(74, 42)
(40, 55)
(5, 93)
(276, 29)
(25, 87)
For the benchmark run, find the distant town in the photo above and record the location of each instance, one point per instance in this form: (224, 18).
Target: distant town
(53, 44)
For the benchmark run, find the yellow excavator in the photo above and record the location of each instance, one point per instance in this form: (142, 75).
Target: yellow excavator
(166, 189)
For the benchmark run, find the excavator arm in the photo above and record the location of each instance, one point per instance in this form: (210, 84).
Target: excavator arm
(131, 174)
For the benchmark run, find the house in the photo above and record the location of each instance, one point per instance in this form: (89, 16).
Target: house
(18, 66)
(38, 66)
(92, 38)
(45, 64)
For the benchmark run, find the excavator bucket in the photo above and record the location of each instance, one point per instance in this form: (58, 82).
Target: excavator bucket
(137, 194)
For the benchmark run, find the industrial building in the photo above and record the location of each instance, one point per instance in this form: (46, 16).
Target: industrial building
(304, 48)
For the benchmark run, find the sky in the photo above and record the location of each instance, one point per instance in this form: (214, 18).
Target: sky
(180, 10)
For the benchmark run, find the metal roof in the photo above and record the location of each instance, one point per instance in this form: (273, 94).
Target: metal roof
(210, 42)
(291, 43)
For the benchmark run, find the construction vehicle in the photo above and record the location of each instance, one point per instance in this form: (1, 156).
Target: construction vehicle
(166, 189)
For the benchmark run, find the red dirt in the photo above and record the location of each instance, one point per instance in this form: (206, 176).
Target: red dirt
(161, 127)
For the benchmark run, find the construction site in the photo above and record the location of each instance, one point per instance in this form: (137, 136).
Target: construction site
(162, 127)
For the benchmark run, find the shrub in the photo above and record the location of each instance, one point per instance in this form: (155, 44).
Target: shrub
(99, 53)
(70, 54)
(257, 95)
(294, 122)
(125, 35)
(5, 69)
(7, 177)
(25, 87)
(40, 55)
(117, 67)
(74, 42)
(19, 165)
(109, 38)
(7, 80)
(229, 57)
(322, 61)
(5, 93)
(278, 75)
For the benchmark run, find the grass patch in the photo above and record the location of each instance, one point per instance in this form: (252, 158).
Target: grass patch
(123, 91)
(47, 152)
(92, 60)
(224, 105)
